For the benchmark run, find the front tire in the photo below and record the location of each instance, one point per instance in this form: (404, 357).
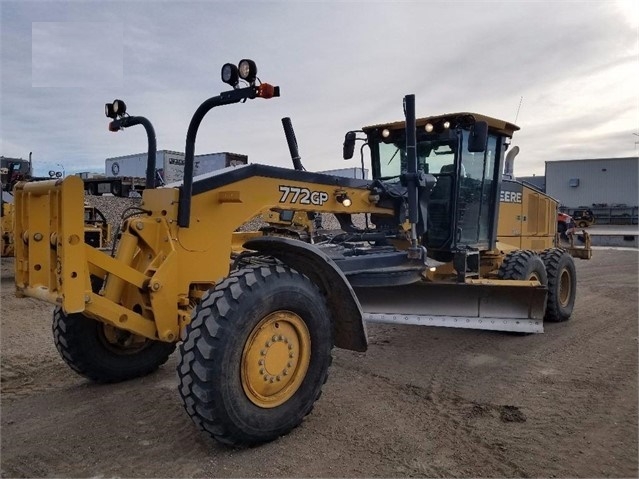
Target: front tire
(562, 284)
(103, 353)
(523, 265)
(256, 355)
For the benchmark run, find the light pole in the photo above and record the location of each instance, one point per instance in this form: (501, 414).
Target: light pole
(61, 166)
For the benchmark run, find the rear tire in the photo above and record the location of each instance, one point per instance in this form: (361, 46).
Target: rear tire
(562, 282)
(239, 381)
(116, 189)
(523, 265)
(89, 348)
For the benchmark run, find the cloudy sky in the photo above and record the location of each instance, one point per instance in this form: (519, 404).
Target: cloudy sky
(340, 66)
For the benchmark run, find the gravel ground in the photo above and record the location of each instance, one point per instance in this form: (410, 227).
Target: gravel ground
(422, 402)
(112, 207)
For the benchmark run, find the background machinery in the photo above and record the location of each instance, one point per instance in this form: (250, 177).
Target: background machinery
(256, 326)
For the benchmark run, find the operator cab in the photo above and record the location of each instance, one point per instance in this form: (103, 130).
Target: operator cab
(464, 152)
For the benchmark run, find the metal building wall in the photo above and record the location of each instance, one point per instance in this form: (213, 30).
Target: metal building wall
(599, 181)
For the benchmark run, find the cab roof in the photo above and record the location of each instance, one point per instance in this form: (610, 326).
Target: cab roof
(499, 126)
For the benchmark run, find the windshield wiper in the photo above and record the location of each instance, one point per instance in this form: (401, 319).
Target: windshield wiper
(393, 157)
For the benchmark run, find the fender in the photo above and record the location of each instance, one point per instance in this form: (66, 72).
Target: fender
(348, 324)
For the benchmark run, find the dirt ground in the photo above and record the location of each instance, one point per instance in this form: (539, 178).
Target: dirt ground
(421, 402)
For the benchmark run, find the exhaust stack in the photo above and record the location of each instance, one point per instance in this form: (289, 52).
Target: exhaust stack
(508, 166)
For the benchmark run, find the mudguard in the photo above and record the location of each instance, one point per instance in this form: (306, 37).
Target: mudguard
(348, 326)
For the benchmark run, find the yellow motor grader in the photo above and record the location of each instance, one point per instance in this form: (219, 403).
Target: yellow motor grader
(255, 330)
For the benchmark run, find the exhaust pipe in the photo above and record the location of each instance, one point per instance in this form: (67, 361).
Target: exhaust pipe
(509, 173)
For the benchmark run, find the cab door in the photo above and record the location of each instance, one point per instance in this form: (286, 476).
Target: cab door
(475, 205)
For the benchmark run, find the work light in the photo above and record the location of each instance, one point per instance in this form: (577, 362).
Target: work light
(115, 109)
(247, 70)
(119, 107)
(108, 110)
(229, 74)
(344, 199)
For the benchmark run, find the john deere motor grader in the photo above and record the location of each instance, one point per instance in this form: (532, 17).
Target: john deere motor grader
(255, 335)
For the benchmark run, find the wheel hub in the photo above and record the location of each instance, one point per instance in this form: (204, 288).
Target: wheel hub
(275, 359)
(120, 341)
(564, 288)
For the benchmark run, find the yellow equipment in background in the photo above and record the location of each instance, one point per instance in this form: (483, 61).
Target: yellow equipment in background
(6, 235)
(451, 244)
(97, 230)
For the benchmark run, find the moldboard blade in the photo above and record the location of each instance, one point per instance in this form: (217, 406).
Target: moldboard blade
(493, 306)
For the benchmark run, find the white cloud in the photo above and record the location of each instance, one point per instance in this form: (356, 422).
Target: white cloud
(72, 54)
(340, 66)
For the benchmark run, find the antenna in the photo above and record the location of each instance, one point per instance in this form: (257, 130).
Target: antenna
(521, 100)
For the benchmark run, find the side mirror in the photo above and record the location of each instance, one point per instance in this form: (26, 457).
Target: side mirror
(349, 145)
(478, 137)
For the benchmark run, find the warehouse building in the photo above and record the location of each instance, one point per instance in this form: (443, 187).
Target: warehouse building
(601, 181)
(609, 186)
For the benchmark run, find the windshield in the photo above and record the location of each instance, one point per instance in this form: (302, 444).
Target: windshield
(433, 156)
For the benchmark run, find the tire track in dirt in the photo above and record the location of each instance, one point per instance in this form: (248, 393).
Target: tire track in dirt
(452, 414)
(120, 427)
(422, 402)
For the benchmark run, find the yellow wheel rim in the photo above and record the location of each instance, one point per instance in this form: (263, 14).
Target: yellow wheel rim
(564, 287)
(275, 359)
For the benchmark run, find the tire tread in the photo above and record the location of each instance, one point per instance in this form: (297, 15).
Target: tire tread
(212, 319)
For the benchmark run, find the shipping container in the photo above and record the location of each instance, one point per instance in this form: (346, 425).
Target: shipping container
(170, 165)
(216, 161)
